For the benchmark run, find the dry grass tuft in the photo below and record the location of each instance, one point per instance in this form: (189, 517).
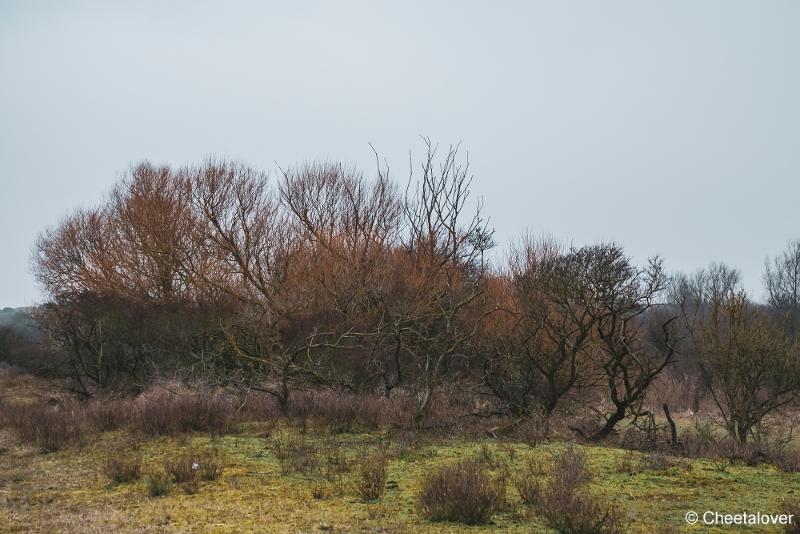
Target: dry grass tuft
(123, 468)
(159, 484)
(371, 481)
(462, 492)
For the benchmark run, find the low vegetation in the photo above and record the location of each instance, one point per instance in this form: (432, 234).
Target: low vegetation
(122, 468)
(383, 478)
(48, 426)
(371, 481)
(566, 504)
(159, 484)
(463, 492)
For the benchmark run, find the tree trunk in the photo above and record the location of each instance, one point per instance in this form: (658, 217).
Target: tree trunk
(611, 422)
(673, 431)
(423, 406)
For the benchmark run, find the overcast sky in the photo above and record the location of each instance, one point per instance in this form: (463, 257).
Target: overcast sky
(672, 128)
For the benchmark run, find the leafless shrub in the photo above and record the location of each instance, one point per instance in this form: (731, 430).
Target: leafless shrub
(161, 413)
(636, 438)
(701, 440)
(336, 462)
(751, 454)
(295, 454)
(632, 463)
(190, 487)
(527, 482)
(720, 462)
(566, 505)
(123, 468)
(50, 428)
(462, 492)
(371, 481)
(727, 331)
(628, 463)
(656, 461)
(266, 429)
(791, 506)
(569, 467)
(533, 431)
(486, 455)
(343, 413)
(726, 450)
(258, 407)
(107, 414)
(319, 491)
(787, 461)
(583, 424)
(502, 480)
(509, 451)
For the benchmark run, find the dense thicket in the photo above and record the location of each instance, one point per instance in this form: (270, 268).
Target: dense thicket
(320, 277)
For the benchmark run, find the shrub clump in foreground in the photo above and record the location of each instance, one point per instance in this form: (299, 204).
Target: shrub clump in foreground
(463, 492)
(372, 478)
(564, 502)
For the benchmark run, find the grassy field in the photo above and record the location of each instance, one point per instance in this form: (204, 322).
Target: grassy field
(68, 491)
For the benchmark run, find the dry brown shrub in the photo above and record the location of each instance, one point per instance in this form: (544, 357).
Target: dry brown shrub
(463, 492)
(526, 482)
(49, 427)
(533, 431)
(787, 460)
(656, 461)
(564, 502)
(106, 414)
(341, 412)
(371, 481)
(791, 506)
(162, 413)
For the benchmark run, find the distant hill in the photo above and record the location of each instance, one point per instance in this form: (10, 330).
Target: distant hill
(22, 322)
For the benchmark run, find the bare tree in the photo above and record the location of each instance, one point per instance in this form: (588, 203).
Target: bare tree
(444, 248)
(280, 331)
(782, 281)
(351, 230)
(538, 341)
(750, 367)
(114, 274)
(630, 356)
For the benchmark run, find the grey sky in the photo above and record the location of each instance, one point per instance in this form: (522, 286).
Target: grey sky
(669, 127)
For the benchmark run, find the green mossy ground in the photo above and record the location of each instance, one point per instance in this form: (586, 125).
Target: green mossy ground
(67, 491)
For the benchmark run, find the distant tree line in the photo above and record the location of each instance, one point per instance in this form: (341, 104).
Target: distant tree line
(320, 277)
